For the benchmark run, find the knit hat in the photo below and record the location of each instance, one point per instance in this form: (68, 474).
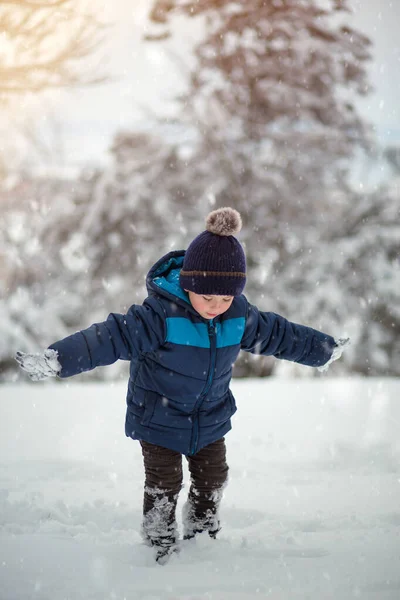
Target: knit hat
(215, 262)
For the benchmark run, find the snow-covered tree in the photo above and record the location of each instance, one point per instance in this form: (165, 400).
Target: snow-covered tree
(39, 299)
(124, 218)
(272, 94)
(72, 251)
(348, 282)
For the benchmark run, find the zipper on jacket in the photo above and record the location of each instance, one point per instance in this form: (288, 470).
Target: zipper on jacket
(196, 410)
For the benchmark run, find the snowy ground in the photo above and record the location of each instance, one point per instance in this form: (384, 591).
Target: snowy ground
(312, 509)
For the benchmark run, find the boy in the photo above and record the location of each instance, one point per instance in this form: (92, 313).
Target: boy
(181, 344)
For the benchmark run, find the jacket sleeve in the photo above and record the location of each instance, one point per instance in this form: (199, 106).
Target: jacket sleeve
(140, 331)
(269, 334)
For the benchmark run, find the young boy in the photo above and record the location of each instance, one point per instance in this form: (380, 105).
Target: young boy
(181, 344)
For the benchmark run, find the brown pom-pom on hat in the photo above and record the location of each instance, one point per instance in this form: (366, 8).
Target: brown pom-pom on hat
(215, 262)
(224, 221)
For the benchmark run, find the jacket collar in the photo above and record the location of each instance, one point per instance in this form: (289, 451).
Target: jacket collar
(163, 279)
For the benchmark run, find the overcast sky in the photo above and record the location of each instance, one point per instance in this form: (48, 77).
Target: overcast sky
(146, 78)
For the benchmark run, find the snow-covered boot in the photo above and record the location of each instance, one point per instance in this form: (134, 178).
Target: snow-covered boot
(194, 524)
(208, 475)
(159, 526)
(163, 554)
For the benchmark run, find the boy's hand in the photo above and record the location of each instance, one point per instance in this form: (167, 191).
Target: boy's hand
(39, 366)
(341, 345)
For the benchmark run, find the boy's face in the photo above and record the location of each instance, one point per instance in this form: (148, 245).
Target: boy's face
(209, 307)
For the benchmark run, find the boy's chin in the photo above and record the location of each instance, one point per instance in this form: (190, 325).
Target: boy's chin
(207, 316)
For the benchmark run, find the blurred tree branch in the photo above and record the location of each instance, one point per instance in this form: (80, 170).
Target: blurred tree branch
(43, 44)
(48, 4)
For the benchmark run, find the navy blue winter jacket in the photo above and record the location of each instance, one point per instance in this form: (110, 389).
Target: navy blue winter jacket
(181, 364)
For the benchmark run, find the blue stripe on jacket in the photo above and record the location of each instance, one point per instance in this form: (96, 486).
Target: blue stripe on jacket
(184, 332)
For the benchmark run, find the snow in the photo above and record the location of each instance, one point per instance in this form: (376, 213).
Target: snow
(311, 509)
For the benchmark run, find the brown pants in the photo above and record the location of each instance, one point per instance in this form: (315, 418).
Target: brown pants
(163, 481)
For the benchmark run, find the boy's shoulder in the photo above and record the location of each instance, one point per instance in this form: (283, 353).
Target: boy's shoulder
(150, 305)
(165, 307)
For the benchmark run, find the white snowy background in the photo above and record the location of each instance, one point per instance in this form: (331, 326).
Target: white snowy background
(311, 511)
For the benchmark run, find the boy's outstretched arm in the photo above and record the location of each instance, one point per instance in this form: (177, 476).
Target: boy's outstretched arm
(141, 330)
(269, 334)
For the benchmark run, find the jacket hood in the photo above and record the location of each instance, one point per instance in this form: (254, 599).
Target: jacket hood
(163, 279)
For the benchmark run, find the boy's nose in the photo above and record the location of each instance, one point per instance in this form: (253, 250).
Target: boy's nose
(215, 304)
